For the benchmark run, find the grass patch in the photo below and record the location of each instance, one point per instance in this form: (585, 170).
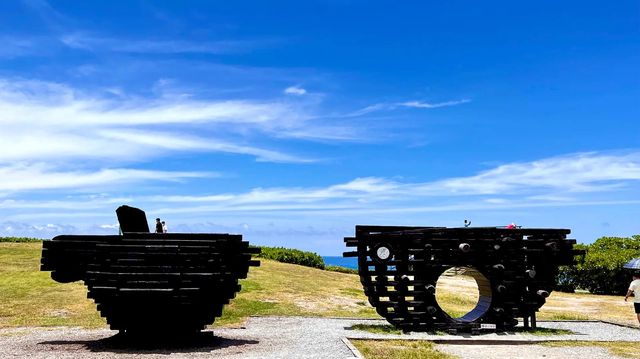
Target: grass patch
(398, 349)
(584, 306)
(542, 331)
(377, 328)
(564, 316)
(30, 298)
(240, 308)
(296, 290)
(390, 329)
(352, 292)
(622, 349)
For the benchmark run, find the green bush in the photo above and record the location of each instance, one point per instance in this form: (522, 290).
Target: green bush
(341, 269)
(293, 256)
(601, 271)
(19, 239)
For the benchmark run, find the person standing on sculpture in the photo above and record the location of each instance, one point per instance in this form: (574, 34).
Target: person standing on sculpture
(165, 229)
(158, 226)
(634, 289)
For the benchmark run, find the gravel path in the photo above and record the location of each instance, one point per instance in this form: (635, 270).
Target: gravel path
(296, 337)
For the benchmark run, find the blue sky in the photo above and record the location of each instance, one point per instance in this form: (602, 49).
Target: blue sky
(291, 122)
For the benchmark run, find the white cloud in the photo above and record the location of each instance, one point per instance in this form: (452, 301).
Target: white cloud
(536, 183)
(421, 104)
(408, 104)
(295, 90)
(42, 120)
(582, 172)
(18, 229)
(23, 177)
(543, 182)
(170, 141)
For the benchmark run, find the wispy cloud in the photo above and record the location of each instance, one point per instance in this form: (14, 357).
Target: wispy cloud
(422, 104)
(39, 176)
(55, 20)
(582, 172)
(145, 46)
(16, 46)
(169, 141)
(552, 181)
(43, 120)
(408, 104)
(66, 31)
(295, 90)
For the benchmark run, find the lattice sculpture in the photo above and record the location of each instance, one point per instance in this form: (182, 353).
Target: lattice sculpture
(152, 283)
(515, 271)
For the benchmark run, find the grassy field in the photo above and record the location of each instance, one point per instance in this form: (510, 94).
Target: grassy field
(399, 349)
(31, 298)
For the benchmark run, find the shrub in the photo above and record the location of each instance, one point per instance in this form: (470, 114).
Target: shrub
(293, 256)
(19, 239)
(341, 269)
(601, 271)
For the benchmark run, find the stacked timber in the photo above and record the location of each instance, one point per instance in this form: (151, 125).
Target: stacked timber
(153, 282)
(514, 269)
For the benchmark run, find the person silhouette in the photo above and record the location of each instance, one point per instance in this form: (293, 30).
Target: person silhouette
(164, 227)
(634, 290)
(158, 226)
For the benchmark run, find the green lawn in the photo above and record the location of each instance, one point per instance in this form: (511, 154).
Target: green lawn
(399, 349)
(31, 298)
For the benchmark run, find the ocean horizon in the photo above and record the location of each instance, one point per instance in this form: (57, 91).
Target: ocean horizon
(350, 262)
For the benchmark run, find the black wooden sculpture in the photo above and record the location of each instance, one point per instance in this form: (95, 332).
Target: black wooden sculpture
(515, 271)
(152, 283)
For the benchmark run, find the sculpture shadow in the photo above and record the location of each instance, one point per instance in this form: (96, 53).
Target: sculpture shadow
(120, 344)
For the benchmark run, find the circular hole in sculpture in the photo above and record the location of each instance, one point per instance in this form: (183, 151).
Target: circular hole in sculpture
(463, 293)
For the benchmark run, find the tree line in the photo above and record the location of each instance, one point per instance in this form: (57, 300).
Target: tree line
(601, 270)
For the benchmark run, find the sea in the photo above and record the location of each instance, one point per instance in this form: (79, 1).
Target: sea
(350, 262)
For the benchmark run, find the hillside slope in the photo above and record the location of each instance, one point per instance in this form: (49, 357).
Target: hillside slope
(30, 298)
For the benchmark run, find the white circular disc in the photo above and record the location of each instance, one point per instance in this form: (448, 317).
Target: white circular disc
(383, 253)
